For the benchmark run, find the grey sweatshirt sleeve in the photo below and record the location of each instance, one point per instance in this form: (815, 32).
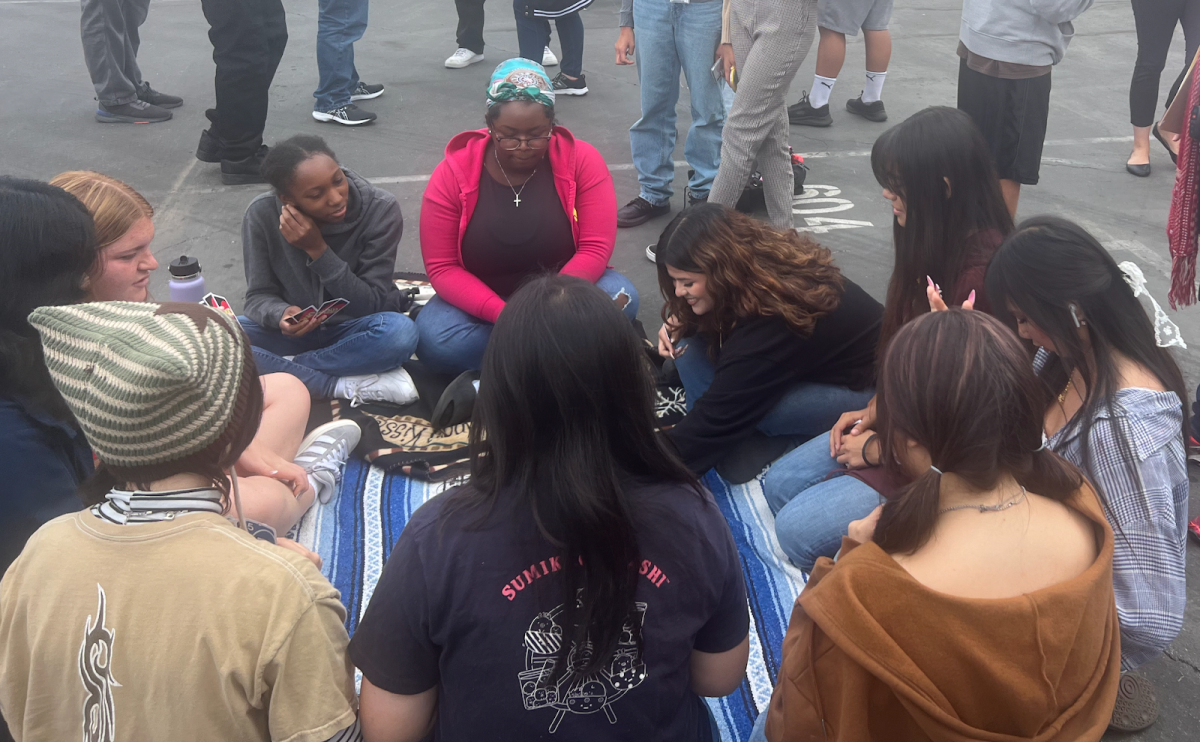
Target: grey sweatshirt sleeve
(626, 14)
(367, 291)
(264, 294)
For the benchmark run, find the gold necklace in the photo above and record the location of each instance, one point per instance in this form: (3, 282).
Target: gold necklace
(1063, 396)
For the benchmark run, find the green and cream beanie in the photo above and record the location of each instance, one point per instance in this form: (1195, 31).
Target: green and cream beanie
(148, 383)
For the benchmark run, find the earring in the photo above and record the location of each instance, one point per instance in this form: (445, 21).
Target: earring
(1074, 316)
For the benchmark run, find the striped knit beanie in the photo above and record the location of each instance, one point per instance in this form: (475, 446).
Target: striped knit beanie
(148, 383)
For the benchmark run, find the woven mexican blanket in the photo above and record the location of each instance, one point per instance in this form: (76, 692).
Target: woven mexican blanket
(355, 531)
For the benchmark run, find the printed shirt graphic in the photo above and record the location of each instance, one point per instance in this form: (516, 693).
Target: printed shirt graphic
(477, 610)
(96, 674)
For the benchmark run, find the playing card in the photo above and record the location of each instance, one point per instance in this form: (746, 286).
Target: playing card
(302, 315)
(330, 308)
(219, 303)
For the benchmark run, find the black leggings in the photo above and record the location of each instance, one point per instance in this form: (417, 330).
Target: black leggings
(1155, 21)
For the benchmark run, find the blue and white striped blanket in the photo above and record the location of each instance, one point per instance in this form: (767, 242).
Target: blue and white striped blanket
(354, 534)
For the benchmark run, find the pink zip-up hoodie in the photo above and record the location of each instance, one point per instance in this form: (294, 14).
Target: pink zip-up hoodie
(584, 186)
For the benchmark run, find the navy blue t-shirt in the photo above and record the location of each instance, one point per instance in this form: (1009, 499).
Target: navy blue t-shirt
(475, 610)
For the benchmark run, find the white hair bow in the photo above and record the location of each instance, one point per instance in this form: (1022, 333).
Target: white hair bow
(1166, 332)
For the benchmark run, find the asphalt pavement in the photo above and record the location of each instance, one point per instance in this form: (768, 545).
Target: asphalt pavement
(46, 127)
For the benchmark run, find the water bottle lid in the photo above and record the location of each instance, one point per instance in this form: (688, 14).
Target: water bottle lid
(184, 267)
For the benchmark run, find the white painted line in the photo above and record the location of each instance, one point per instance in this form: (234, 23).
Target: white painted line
(627, 166)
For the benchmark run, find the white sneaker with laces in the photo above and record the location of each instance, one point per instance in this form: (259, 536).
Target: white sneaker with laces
(650, 253)
(548, 58)
(392, 387)
(462, 58)
(323, 453)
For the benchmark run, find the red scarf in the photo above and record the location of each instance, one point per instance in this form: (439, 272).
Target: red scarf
(1185, 208)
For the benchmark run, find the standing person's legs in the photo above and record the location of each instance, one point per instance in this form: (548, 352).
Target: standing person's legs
(1155, 22)
(470, 25)
(652, 137)
(878, 41)
(533, 34)
(339, 25)
(248, 38)
(570, 37)
(757, 128)
(1189, 18)
(450, 340)
(109, 30)
(697, 35)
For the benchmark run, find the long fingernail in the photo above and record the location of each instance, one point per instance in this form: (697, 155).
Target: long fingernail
(927, 278)
(971, 298)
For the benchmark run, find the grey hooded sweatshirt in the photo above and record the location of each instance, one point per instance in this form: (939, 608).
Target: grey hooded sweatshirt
(1030, 32)
(358, 265)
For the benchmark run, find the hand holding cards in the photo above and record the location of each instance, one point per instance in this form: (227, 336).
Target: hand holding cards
(319, 314)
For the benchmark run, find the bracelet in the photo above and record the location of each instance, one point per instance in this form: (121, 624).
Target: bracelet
(866, 443)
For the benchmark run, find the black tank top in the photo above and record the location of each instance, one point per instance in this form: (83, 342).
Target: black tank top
(505, 243)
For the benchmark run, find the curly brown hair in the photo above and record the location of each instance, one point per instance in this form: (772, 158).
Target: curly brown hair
(752, 269)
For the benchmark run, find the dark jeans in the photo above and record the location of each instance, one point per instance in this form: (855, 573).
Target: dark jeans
(1155, 21)
(248, 38)
(470, 25)
(533, 35)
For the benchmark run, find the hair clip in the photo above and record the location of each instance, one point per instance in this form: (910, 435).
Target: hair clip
(1166, 332)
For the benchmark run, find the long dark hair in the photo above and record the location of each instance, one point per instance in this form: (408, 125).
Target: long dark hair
(564, 421)
(1045, 267)
(47, 246)
(959, 384)
(914, 160)
(752, 270)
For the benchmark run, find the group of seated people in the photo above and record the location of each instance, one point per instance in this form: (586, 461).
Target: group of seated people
(994, 538)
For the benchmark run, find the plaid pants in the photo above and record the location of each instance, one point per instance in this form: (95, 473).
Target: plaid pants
(770, 40)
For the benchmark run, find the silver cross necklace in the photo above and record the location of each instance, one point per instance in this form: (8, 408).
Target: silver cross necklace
(516, 193)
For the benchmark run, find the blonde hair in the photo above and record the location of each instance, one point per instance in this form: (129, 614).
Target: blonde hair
(115, 207)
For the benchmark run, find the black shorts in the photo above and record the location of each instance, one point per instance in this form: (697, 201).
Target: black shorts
(1012, 115)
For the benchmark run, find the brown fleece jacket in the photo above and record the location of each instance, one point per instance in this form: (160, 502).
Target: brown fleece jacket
(872, 654)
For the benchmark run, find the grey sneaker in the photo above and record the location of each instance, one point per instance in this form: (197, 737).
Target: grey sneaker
(133, 112)
(350, 115)
(323, 453)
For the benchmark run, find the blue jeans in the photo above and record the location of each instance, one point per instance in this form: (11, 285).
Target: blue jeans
(673, 36)
(805, 410)
(812, 512)
(533, 34)
(340, 23)
(453, 341)
(366, 345)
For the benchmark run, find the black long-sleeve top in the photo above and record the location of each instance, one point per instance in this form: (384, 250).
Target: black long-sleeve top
(762, 358)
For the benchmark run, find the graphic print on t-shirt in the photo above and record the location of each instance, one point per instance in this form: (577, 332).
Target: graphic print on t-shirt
(95, 672)
(579, 694)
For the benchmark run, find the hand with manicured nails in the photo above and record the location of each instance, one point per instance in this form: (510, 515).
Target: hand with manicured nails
(851, 453)
(301, 232)
(859, 423)
(668, 335)
(937, 304)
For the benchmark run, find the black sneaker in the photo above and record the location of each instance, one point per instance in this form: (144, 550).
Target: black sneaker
(696, 200)
(869, 111)
(147, 94)
(366, 91)
(564, 85)
(350, 115)
(244, 172)
(209, 149)
(639, 211)
(133, 112)
(803, 113)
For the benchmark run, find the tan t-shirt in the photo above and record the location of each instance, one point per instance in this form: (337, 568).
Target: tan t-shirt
(178, 630)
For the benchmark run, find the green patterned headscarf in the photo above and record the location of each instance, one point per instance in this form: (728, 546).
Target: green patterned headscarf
(520, 79)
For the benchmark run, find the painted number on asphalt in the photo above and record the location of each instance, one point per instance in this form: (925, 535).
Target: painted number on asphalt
(823, 199)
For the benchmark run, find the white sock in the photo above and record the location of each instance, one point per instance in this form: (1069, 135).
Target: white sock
(315, 486)
(821, 89)
(476, 385)
(342, 390)
(873, 90)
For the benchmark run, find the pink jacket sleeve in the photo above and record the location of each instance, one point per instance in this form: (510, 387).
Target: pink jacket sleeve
(596, 210)
(441, 217)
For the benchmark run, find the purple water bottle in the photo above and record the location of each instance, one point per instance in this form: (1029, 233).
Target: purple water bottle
(187, 285)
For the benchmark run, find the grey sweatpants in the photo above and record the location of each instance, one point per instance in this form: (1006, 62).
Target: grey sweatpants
(770, 40)
(110, 44)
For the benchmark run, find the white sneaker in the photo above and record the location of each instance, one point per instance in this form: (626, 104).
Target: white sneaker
(393, 387)
(463, 58)
(324, 451)
(650, 253)
(548, 58)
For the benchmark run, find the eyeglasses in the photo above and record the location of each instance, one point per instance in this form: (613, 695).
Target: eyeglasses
(514, 143)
